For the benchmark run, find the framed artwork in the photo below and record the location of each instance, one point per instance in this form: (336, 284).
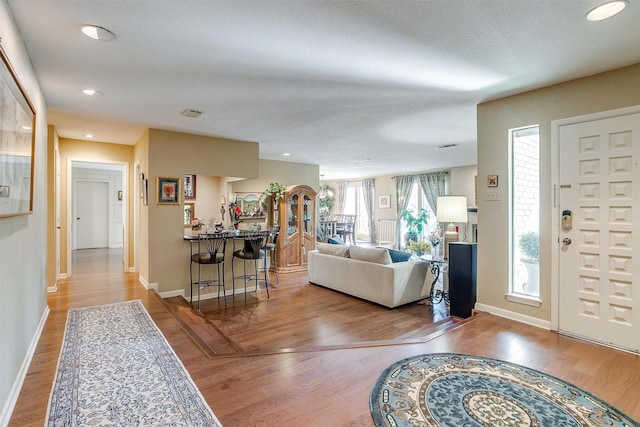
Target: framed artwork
(492, 180)
(189, 212)
(253, 205)
(384, 202)
(17, 121)
(168, 191)
(189, 187)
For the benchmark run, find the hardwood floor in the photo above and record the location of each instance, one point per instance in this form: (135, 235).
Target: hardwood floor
(289, 381)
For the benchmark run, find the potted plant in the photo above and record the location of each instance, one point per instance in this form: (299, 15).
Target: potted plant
(415, 223)
(275, 188)
(530, 248)
(325, 200)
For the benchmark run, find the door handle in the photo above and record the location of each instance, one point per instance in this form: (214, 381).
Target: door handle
(566, 241)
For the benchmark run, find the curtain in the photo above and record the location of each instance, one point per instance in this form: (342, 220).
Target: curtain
(367, 193)
(404, 185)
(342, 194)
(432, 186)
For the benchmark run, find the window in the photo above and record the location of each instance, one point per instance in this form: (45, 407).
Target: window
(354, 205)
(525, 212)
(418, 200)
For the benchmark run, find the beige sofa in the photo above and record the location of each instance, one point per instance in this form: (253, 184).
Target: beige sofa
(369, 273)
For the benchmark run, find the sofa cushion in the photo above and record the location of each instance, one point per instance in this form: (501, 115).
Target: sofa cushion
(336, 250)
(335, 241)
(377, 255)
(399, 256)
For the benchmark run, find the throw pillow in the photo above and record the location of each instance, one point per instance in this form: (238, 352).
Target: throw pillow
(335, 241)
(336, 250)
(377, 255)
(399, 256)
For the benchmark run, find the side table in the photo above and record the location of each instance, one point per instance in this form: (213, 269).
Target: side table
(437, 265)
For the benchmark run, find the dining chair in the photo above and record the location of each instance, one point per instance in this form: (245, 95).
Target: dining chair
(272, 246)
(345, 228)
(251, 252)
(210, 251)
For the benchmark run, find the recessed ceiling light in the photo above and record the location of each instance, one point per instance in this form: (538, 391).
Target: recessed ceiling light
(97, 33)
(88, 135)
(91, 92)
(606, 10)
(286, 154)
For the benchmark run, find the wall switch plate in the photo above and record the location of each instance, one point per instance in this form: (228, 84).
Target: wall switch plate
(494, 195)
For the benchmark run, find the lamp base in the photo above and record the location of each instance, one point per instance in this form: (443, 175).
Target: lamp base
(451, 235)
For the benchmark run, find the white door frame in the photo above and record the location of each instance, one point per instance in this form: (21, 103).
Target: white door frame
(125, 203)
(555, 191)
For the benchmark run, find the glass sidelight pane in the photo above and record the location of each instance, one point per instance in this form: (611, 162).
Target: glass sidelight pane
(525, 212)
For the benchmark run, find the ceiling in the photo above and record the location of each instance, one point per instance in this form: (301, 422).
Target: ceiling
(361, 88)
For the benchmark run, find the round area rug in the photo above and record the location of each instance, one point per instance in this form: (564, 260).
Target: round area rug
(455, 390)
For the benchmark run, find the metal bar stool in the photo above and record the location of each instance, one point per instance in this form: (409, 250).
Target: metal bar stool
(272, 247)
(211, 251)
(253, 242)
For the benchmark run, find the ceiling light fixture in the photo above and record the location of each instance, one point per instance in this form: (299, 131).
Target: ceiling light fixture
(88, 135)
(286, 154)
(91, 92)
(606, 10)
(97, 33)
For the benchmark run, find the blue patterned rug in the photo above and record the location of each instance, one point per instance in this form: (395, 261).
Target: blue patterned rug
(117, 369)
(455, 390)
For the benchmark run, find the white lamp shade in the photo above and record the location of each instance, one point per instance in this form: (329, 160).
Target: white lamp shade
(452, 209)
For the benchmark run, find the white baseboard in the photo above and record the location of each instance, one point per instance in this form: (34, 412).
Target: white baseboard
(518, 317)
(147, 285)
(10, 403)
(169, 294)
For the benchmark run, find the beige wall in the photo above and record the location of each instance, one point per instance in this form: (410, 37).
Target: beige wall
(76, 150)
(602, 92)
(23, 241)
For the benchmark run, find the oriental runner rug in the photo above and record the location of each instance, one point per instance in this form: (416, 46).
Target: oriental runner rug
(117, 369)
(453, 390)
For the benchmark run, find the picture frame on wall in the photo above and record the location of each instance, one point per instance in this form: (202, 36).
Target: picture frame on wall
(18, 121)
(384, 202)
(168, 191)
(492, 180)
(189, 213)
(189, 187)
(253, 205)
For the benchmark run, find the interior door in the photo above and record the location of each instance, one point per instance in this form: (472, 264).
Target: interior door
(599, 234)
(91, 214)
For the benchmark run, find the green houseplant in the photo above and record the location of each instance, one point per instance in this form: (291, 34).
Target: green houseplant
(415, 223)
(530, 246)
(275, 188)
(325, 200)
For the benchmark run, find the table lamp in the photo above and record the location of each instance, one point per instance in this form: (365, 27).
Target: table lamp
(451, 209)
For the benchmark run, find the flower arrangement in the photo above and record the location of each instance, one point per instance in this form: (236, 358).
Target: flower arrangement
(276, 189)
(435, 237)
(234, 214)
(196, 224)
(419, 247)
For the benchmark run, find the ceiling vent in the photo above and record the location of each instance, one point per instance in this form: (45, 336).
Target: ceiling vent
(189, 112)
(448, 146)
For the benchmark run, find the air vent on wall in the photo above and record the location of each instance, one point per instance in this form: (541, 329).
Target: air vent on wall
(189, 112)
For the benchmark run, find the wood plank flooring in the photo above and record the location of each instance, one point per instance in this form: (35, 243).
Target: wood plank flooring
(327, 386)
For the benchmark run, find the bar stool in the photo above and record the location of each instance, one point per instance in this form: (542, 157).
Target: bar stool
(211, 251)
(253, 242)
(272, 246)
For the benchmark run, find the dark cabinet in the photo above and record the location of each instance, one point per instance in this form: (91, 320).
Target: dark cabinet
(463, 271)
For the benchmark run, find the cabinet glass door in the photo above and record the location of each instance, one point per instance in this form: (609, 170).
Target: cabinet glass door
(307, 215)
(292, 215)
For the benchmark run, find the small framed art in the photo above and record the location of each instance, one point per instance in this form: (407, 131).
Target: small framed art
(189, 187)
(384, 202)
(492, 180)
(168, 191)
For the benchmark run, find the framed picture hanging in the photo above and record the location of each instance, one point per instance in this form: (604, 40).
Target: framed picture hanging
(18, 121)
(189, 187)
(168, 191)
(384, 202)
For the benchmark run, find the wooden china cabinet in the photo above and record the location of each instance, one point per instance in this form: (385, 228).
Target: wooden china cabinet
(295, 214)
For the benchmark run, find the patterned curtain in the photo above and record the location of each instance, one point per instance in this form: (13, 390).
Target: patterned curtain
(433, 186)
(403, 191)
(368, 186)
(342, 194)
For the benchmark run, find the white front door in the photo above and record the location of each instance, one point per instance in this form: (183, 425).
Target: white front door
(599, 238)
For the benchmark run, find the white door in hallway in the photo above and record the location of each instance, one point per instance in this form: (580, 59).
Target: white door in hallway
(599, 237)
(91, 214)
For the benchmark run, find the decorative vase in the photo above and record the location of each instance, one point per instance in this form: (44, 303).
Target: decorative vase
(435, 251)
(195, 230)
